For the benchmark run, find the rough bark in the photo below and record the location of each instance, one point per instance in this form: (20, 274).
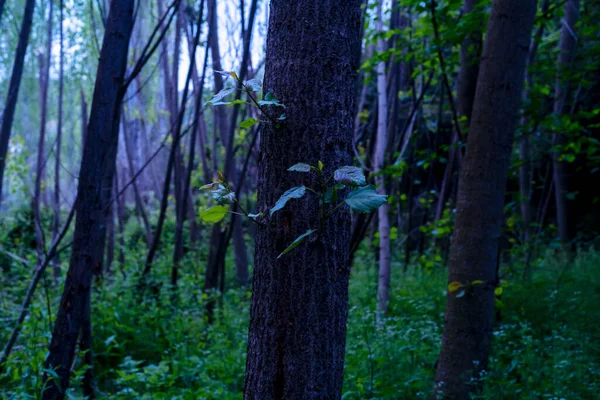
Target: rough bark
(383, 286)
(94, 195)
(468, 319)
(567, 46)
(13, 90)
(297, 331)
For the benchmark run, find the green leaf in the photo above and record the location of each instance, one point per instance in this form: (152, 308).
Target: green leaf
(349, 175)
(320, 164)
(331, 194)
(300, 167)
(294, 193)
(454, 286)
(270, 100)
(365, 199)
(218, 98)
(254, 84)
(248, 123)
(296, 242)
(255, 216)
(234, 102)
(214, 214)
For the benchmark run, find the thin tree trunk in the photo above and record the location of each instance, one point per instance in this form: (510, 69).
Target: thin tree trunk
(215, 269)
(179, 240)
(110, 239)
(525, 142)
(94, 194)
(468, 320)
(2, 4)
(120, 203)
(61, 76)
(470, 51)
(13, 89)
(139, 202)
(568, 43)
(297, 333)
(383, 287)
(44, 61)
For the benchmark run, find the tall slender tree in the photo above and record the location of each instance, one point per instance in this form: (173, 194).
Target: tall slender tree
(297, 331)
(567, 46)
(93, 199)
(469, 310)
(383, 286)
(59, 128)
(44, 61)
(13, 89)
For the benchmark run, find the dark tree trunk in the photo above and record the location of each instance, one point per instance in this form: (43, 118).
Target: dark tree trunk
(94, 196)
(297, 331)
(178, 249)
(120, 203)
(470, 51)
(13, 89)
(561, 169)
(468, 319)
(139, 202)
(2, 4)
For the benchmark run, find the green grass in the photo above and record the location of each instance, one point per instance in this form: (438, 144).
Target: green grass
(546, 347)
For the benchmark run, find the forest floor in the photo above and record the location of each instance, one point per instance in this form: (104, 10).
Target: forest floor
(546, 345)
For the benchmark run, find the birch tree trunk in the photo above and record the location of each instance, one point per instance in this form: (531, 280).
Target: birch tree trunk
(383, 286)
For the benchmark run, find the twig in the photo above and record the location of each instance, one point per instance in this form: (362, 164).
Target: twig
(54, 250)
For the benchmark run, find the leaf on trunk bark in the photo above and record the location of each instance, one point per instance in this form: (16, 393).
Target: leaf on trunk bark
(296, 242)
(294, 193)
(349, 175)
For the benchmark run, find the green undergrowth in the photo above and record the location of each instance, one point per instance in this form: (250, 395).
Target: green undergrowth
(160, 346)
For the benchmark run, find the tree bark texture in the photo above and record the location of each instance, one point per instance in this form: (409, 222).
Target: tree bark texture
(94, 196)
(297, 331)
(468, 319)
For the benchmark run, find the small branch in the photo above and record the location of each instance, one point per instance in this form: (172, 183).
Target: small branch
(444, 73)
(54, 250)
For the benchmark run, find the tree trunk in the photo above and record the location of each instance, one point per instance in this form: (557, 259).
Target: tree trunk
(567, 45)
(13, 89)
(61, 81)
(44, 61)
(383, 287)
(94, 195)
(297, 331)
(470, 52)
(468, 319)
(178, 249)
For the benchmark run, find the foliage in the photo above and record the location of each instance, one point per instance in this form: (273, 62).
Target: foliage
(161, 347)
